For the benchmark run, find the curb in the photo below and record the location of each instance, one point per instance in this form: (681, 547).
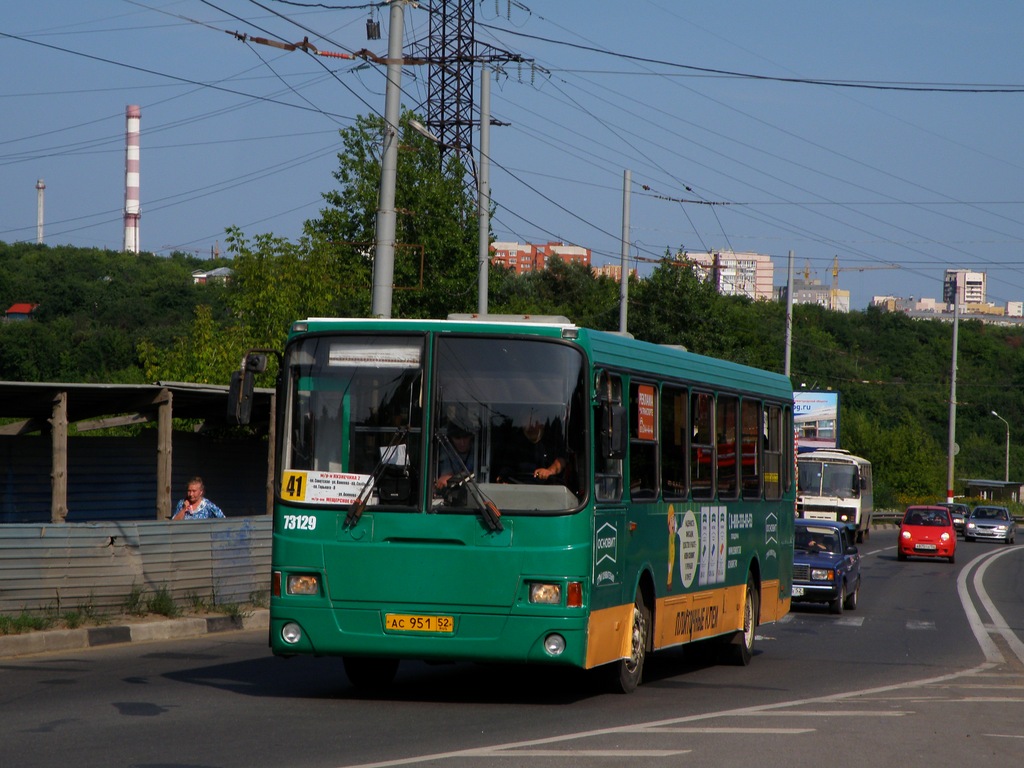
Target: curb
(50, 641)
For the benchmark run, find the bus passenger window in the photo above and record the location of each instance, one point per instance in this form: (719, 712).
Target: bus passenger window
(674, 431)
(774, 452)
(727, 434)
(750, 467)
(643, 442)
(702, 446)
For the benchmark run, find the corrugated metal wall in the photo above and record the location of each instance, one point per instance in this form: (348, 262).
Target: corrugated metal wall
(114, 478)
(67, 567)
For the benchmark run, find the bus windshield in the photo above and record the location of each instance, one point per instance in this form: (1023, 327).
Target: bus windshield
(824, 478)
(508, 423)
(353, 417)
(510, 412)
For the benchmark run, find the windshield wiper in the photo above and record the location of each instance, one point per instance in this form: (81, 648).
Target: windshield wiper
(386, 458)
(486, 508)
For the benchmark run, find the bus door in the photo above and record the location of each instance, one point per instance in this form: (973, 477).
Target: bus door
(609, 502)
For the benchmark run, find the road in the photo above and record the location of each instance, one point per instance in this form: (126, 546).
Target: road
(929, 670)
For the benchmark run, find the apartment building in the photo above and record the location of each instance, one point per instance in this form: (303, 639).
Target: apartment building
(530, 257)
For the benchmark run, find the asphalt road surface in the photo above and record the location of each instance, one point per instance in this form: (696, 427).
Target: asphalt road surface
(929, 671)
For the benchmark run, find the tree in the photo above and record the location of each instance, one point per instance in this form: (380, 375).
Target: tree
(570, 290)
(436, 224)
(676, 306)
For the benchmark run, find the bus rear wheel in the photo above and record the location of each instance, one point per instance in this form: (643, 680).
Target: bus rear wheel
(627, 673)
(740, 649)
(370, 675)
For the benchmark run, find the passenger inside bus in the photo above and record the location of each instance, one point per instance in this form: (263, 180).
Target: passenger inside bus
(457, 454)
(533, 454)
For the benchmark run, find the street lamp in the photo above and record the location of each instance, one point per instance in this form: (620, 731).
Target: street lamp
(1006, 477)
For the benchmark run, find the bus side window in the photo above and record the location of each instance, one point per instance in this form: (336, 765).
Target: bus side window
(775, 452)
(702, 445)
(727, 438)
(750, 468)
(674, 432)
(643, 441)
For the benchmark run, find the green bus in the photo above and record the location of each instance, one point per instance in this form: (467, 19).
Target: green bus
(516, 489)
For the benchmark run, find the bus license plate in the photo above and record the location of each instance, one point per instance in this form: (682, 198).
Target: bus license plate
(403, 622)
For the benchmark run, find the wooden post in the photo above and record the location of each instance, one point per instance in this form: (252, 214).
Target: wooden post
(59, 459)
(163, 455)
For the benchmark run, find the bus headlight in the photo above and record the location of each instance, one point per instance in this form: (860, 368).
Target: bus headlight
(303, 584)
(546, 594)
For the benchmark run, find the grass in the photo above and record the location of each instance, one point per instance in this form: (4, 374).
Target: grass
(136, 604)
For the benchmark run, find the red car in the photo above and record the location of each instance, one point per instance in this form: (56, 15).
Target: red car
(927, 531)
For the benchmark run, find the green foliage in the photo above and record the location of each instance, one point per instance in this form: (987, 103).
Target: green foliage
(94, 308)
(24, 622)
(570, 290)
(676, 306)
(436, 231)
(134, 602)
(161, 602)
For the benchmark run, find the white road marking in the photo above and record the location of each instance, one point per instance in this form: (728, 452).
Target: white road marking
(982, 632)
(750, 731)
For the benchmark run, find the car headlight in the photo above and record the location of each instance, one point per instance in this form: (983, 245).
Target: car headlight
(821, 574)
(970, 525)
(1001, 528)
(944, 537)
(906, 535)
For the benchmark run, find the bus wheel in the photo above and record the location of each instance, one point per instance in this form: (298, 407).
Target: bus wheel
(627, 673)
(741, 647)
(368, 674)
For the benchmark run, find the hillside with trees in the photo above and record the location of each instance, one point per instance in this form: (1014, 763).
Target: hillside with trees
(106, 316)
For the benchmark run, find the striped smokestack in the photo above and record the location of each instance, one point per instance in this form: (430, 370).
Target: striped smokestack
(133, 114)
(40, 190)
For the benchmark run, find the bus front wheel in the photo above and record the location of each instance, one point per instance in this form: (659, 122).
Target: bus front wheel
(369, 675)
(627, 673)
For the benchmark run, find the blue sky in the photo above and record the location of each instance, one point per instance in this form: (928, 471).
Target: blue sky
(887, 134)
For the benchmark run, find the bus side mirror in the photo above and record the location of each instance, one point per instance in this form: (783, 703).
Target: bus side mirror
(612, 431)
(243, 383)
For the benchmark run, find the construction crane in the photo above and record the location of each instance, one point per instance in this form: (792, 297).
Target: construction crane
(836, 269)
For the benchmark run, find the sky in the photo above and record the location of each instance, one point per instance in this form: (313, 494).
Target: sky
(885, 134)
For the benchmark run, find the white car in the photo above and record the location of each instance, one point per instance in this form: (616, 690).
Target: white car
(988, 522)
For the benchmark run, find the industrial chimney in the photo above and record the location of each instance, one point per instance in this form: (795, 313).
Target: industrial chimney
(133, 114)
(40, 187)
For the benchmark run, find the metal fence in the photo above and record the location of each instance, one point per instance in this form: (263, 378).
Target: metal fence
(100, 566)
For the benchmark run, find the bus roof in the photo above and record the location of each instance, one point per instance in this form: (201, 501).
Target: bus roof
(832, 454)
(616, 351)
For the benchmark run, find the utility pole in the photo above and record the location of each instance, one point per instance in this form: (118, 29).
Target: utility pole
(952, 449)
(484, 191)
(624, 269)
(384, 251)
(789, 315)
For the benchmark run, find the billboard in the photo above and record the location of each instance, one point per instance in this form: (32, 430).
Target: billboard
(816, 420)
